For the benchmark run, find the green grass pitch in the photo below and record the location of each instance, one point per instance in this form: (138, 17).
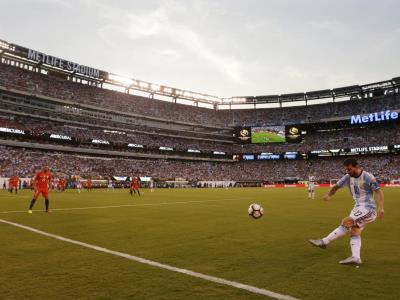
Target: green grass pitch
(203, 230)
(266, 137)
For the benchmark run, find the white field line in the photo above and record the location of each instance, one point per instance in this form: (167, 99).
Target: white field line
(238, 285)
(126, 205)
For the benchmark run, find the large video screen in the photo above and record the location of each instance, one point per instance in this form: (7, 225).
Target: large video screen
(268, 134)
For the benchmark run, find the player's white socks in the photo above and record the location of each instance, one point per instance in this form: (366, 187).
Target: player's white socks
(337, 233)
(355, 244)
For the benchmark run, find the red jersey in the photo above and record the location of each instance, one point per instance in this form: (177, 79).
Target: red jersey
(42, 180)
(13, 181)
(135, 183)
(89, 183)
(61, 183)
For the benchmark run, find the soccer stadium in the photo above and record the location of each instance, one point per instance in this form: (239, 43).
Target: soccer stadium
(120, 188)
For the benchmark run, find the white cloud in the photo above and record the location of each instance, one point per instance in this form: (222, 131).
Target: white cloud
(64, 3)
(330, 26)
(161, 23)
(169, 53)
(295, 73)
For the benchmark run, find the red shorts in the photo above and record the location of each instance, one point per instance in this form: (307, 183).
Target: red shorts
(14, 186)
(45, 194)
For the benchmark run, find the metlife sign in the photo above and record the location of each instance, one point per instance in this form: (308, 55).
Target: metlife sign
(374, 117)
(62, 63)
(374, 149)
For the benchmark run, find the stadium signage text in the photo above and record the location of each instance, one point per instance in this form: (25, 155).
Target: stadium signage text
(135, 146)
(166, 148)
(369, 149)
(62, 64)
(100, 142)
(60, 137)
(374, 117)
(193, 151)
(12, 130)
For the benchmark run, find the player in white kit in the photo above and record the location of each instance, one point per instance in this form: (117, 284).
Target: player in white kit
(151, 185)
(110, 186)
(79, 186)
(362, 186)
(311, 187)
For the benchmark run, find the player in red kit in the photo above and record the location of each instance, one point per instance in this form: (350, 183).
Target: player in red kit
(89, 184)
(32, 183)
(61, 184)
(135, 184)
(13, 184)
(42, 182)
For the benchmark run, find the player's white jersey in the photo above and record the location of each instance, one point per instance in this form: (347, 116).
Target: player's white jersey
(311, 182)
(362, 188)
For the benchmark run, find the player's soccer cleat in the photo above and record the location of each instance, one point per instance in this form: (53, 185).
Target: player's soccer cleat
(30, 211)
(351, 261)
(318, 243)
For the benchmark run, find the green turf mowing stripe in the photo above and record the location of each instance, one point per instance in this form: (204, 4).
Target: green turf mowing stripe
(214, 279)
(126, 205)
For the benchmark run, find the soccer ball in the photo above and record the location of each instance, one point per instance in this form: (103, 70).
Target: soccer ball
(256, 211)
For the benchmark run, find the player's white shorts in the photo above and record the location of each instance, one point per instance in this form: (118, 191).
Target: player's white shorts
(311, 187)
(363, 215)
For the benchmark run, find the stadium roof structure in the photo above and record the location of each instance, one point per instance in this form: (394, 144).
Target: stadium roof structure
(47, 64)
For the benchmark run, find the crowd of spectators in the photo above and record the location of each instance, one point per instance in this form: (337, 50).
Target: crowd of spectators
(40, 84)
(84, 135)
(314, 140)
(308, 114)
(24, 163)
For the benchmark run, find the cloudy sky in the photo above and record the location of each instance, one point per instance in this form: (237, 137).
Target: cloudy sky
(223, 48)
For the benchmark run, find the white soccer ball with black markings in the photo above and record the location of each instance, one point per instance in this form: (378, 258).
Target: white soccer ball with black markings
(255, 211)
